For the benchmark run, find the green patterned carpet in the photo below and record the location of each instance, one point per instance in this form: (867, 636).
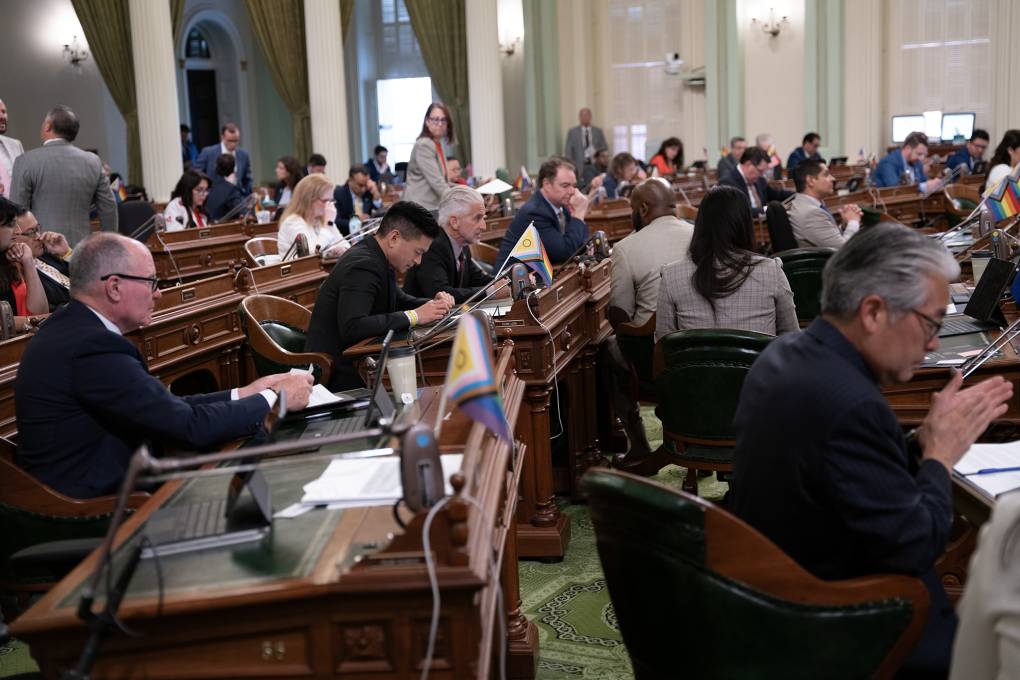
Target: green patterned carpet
(568, 601)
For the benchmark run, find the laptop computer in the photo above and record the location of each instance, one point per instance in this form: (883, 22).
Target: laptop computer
(213, 523)
(982, 312)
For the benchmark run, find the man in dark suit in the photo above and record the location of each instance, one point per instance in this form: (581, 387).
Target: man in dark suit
(377, 167)
(971, 153)
(86, 400)
(750, 178)
(448, 266)
(230, 139)
(189, 152)
(361, 299)
(558, 210)
(359, 191)
(808, 150)
(223, 195)
(730, 162)
(821, 465)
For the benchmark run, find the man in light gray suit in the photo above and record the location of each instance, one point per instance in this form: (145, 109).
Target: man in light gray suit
(10, 149)
(813, 225)
(60, 183)
(583, 141)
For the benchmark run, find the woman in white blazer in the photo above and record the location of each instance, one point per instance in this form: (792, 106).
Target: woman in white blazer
(426, 170)
(311, 211)
(1005, 158)
(186, 209)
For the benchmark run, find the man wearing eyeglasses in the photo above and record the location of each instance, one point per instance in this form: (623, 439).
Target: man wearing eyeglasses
(86, 400)
(51, 253)
(822, 467)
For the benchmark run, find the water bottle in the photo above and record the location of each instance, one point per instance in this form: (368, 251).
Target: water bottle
(508, 207)
(354, 224)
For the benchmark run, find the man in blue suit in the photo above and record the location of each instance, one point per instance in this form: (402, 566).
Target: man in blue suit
(971, 153)
(808, 150)
(86, 399)
(558, 210)
(230, 138)
(906, 166)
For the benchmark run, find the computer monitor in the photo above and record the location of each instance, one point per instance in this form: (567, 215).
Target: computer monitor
(933, 124)
(957, 125)
(904, 125)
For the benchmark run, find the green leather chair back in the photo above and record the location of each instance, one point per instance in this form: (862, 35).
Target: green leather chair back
(803, 268)
(289, 338)
(964, 205)
(680, 618)
(703, 371)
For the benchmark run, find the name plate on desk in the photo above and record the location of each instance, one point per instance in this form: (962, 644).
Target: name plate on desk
(284, 270)
(204, 233)
(187, 295)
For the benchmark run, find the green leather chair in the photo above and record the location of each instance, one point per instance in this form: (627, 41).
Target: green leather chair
(803, 268)
(698, 382)
(275, 329)
(700, 594)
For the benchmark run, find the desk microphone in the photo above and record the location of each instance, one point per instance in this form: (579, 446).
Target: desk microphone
(157, 222)
(242, 208)
(520, 281)
(421, 471)
(299, 248)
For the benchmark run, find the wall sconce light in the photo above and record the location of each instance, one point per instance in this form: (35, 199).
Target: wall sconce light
(510, 22)
(508, 48)
(770, 27)
(75, 54)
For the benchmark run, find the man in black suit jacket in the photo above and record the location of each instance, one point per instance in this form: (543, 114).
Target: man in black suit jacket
(448, 265)
(558, 210)
(361, 299)
(86, 400)
(750, 178)
(359, 187)
(821, 465)
(223, 196)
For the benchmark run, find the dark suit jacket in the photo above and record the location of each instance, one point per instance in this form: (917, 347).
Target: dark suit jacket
(360, 299)
(206, 162)
(822, 469)
(223, 197)
(765, 192)
(558, 246)
(962, 156)
(438, 272)
(86, 401)
(345, 207)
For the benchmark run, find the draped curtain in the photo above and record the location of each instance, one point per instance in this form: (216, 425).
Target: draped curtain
(176, 15)
(442, 35)
(279, 26)
(107, 28)
(346, 14)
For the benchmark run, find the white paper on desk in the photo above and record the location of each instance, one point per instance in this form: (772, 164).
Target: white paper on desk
(981, 456)
(321, 396)
(367, 481)
(496, 186)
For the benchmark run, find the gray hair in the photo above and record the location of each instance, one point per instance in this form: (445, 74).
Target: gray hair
(100, 254)
(457, 201)
(889, 260)
(765, 137)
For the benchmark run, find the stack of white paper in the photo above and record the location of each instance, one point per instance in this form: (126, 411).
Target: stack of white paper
(991, 456)
(348, 483)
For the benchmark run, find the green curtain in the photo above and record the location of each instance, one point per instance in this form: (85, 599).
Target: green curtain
(442, 35)
(107, 28)
(176, 16)
(279, 26)
(346, 14)
(541, 83)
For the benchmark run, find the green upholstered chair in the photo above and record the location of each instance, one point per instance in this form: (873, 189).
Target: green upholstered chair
(700, 594)
(803, 269)
(961, 199)
(275, 329)
(699, 374)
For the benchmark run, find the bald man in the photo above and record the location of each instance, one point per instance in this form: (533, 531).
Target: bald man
(86, 399)
(659, 238)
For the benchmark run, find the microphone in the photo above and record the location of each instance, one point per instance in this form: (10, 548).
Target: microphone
(601, 245)
(520, 281)
(298, 247)
(421, 472)
(157, 221)
(242, 208)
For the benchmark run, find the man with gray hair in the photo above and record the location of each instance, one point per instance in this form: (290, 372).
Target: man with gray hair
(822, 466)
(447, 266)
(60, 183)
(86, 400)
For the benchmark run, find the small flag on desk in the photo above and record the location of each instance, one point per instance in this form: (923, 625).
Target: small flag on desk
(523, 180)
(470, 378)
(530, 251)
(1004, 198)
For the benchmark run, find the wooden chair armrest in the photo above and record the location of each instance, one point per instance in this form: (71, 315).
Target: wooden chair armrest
(19, 489)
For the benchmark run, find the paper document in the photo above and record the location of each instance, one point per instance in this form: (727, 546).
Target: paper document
(367, 481)
(321, 396)
(984, 456)
(496, 186)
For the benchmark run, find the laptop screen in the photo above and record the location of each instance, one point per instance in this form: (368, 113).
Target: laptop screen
(985, 298)
(380, 398)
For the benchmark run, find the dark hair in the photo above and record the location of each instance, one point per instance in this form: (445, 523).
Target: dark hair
(379, 148)
(548, 169)
(980, 134)
(9, 211)
(806, 168)
(721, 248)
(619, 162)
(755, 155)
(64, 122)
(672, 141)
(1010, 140)
(294, 171)
(810, 138)
(450, 137)
(316, 159)
(357, 169)
(185, 128)
(734, 140)
(229, 127)
(410, 219)
(225, 164)
(915, 139)
(185, 185)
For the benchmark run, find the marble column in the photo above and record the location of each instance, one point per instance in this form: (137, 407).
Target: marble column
(485, 88)
(156, 94)
(326, 97)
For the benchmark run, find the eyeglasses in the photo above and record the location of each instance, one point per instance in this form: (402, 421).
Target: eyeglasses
(326, 200)
(437, 121)
(201, 191)
(934, 325)
(151, 280)
(28, 233)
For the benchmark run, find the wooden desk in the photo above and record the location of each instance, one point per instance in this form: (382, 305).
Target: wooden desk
(191, 253)
(332, 594)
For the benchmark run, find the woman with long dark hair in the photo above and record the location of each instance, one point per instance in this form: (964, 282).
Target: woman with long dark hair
(669, 159)
(288, 173)
(724, 283)
(1005, 158)
(426, 170)
(186, 209)
(20, 285)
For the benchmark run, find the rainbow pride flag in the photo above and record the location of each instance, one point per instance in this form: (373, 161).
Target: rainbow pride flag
(530, 251)
(1004, 199)
(523, 180)
(470, 377)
